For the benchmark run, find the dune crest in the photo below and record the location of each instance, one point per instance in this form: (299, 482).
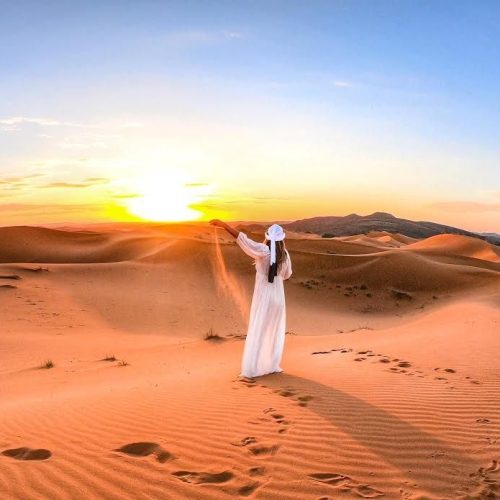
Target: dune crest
(453, 244)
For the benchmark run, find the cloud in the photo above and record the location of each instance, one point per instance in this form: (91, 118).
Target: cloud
(231, 35)
(13, 123)
(16, 120)
(88, 182)
(44, 208)
(125, 196)
(99, 180)
(66, 185)
(17, 182)
(196, 38)
(465, 206)
(342, 84)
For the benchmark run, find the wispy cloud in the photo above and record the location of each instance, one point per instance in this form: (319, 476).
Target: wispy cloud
(231, 35)
(343, 84)
(97, 179)
(14, 123)
(38, 208)
(88, 182)
(195, 38)
(126, 196)
(17, 182)
(465, 206)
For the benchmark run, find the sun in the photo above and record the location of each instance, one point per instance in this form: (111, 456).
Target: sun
(167, 196)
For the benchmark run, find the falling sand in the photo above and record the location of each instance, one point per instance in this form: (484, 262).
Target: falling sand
(227, 282)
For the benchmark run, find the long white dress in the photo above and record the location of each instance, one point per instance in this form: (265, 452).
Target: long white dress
(266, 327)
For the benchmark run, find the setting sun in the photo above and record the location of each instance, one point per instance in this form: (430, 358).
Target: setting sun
(167, 196)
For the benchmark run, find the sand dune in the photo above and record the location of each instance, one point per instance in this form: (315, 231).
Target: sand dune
(381, 239)
(452, 244)
(391, 375)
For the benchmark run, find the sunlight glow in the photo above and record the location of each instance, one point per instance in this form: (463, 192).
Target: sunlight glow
(167, 196)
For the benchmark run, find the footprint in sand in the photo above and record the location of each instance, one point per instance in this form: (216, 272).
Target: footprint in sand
(345, 483)
(494, 467)
(256, 471)
(263, 451)
(290, 392)
(203, 477)
(144, 449)
(404, 364)
(328, 478)
(247, 382)
(487, 484)
(278, 417)
(27, 453)
(365, 491)
(270, 415)
(286, 392)
(281, 420)
(483, 421)
(245, 441)
(248, 489)
(303, 400)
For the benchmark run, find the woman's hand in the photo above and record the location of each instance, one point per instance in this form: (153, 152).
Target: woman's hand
(217, 223)
(227, 227)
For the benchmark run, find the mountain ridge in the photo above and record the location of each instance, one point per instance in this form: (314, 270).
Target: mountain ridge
(353, 224)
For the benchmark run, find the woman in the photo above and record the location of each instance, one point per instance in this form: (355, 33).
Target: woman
(266, 329)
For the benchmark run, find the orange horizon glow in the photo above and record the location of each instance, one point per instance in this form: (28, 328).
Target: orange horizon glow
(176, 195)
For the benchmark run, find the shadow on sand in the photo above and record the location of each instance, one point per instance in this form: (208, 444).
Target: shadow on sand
(433, 464)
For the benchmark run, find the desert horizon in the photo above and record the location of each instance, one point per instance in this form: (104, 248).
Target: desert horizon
(378, 218)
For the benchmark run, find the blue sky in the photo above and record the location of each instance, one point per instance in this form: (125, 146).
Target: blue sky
(353, 106)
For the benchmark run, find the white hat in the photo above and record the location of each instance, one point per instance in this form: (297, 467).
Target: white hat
(274, 233)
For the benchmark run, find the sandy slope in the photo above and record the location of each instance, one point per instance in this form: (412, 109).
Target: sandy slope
(391, 382)
(452, 244)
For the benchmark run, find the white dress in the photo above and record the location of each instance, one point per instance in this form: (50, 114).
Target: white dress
(266, 327)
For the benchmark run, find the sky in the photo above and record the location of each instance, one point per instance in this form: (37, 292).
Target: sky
(249, 110)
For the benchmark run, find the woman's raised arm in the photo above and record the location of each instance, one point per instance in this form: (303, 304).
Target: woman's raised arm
(227, 227)
(250, 247)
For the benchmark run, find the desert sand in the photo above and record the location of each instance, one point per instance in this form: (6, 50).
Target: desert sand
(109, 389)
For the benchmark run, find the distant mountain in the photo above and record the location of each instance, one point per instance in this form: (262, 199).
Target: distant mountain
(492, 237)
(379, 221)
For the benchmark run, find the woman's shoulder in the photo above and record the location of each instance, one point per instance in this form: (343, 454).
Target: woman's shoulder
(246, 241)
(264, 247)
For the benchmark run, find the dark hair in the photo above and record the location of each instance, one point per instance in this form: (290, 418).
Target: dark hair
(281, 256)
